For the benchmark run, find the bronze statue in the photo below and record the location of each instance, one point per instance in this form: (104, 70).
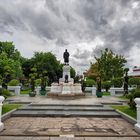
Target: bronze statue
(125, 86)
(66, 57)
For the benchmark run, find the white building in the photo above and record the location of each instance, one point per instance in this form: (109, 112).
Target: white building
(135, 72)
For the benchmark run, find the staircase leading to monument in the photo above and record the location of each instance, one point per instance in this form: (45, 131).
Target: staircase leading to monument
(65, 110)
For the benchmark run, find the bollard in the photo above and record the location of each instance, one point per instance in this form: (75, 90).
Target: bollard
(137, 125)
(1, 124)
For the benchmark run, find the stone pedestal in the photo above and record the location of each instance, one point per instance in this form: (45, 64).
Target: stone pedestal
(56, 88)
(65, 88)
(1, 124)
(77, 88)
(137, 125)
(93, 90)
(66, 71)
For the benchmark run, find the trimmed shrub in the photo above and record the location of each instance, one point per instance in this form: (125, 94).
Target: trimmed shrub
(37, 82)
(134, 94)
(92, 77)
(0, 81)
(117, 82)
(14, 82)
(89, 83)
(106, 85)
(134, 81)
(4, 92)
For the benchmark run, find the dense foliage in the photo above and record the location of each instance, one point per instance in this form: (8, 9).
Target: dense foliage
(10, 61)
(108, 65)
(89, 83)
(106, 85)
(135, 92)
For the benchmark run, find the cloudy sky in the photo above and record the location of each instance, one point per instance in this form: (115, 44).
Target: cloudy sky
(84, 27)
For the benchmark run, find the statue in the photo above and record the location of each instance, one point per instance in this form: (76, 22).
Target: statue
(66, 57)
(125, 86)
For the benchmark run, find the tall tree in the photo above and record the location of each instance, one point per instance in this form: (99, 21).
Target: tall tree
(10, 65)
(109, 65)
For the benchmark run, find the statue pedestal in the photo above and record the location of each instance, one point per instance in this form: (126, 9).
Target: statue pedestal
(66, 71)
(66, 88)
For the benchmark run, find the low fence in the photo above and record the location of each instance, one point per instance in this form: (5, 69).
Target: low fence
(114, 90)
(16, 89)
(1, 124)
(137, 125)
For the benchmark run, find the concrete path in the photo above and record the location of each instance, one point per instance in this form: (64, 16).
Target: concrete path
(65, 138)
(74, 128)
(83, 100)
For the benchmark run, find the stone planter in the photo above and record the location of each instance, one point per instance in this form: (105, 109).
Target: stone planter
(32, 94)
(99, 94)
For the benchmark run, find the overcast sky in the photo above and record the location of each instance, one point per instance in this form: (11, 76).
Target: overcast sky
(84, 27)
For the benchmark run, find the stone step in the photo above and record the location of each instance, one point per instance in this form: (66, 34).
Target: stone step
(64, 113)
(69, 105)
(72, 108)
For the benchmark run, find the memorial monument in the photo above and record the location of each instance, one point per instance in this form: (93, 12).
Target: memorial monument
(66, 85)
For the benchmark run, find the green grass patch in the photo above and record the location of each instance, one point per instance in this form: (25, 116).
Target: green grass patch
(123, 97)
(106, 93)
(8, 107)
(127, 110)
(25, 91)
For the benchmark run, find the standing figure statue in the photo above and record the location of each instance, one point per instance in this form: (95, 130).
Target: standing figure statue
(66, 57)
(125, 84)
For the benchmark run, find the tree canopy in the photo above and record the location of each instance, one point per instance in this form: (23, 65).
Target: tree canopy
(109, 65)
(45, 61)
(10, 65)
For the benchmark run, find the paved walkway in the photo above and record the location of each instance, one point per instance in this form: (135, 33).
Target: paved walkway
(70, 138)
(75, 128)
(54, 100)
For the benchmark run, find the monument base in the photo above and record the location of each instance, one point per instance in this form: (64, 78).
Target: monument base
(64, 88)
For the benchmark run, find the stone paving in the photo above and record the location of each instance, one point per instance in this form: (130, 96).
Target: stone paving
(70, 138)
(67, 126)
(84, 100)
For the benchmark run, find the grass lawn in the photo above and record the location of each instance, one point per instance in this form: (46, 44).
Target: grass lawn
(123, 97)
(8, 107)
(106, 93)
(25, 91)
(127, 110)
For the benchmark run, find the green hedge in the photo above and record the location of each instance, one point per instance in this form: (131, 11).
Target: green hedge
(117, 82)
(89, 83)
(135, 93)
(134, 81)
(106, 85)
(14, 82)
(4, 92)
